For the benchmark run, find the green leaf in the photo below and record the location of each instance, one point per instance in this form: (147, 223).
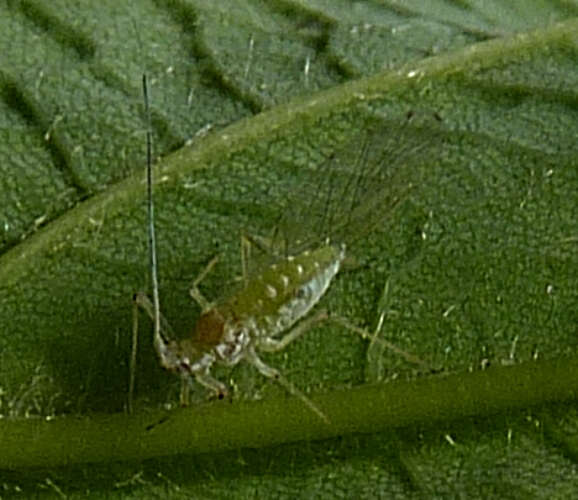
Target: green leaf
(474, 271)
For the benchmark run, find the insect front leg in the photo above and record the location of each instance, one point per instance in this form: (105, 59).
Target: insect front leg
(141, 301)
(166, 333)
(206, 380)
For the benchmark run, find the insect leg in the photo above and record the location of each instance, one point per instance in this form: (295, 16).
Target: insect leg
(245, 255)
(269, 344)
(249, 241)
(165, 333)
(195, 293)
(340, 320)
(206, 380)
(141, 301)
(133, 351)
(185, 390)
(273, 373)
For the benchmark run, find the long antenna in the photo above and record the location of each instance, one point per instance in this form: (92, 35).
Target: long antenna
(140, 300)
(151, 217)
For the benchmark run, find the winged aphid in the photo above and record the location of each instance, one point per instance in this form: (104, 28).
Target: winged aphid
(357, 187)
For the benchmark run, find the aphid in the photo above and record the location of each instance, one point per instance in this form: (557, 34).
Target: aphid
(274, 306)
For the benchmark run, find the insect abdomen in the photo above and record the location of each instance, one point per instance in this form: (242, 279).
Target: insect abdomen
(287, 290)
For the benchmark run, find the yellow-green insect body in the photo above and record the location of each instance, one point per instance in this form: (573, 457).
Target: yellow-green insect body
(267, 307)
(286, 291)
(357, 187)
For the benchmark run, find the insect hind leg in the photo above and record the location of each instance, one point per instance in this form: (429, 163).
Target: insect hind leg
(272, 373)
(344, 322)
(269, 344)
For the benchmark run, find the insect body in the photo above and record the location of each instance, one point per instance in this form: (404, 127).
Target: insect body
(286, 292)
(263, 316)
(274, 307)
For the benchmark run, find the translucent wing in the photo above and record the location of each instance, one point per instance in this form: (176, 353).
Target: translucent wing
(358, 186)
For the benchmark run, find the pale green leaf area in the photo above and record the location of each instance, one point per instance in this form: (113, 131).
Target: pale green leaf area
(474, 272)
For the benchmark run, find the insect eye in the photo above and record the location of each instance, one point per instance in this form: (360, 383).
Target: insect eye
(302, 292)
